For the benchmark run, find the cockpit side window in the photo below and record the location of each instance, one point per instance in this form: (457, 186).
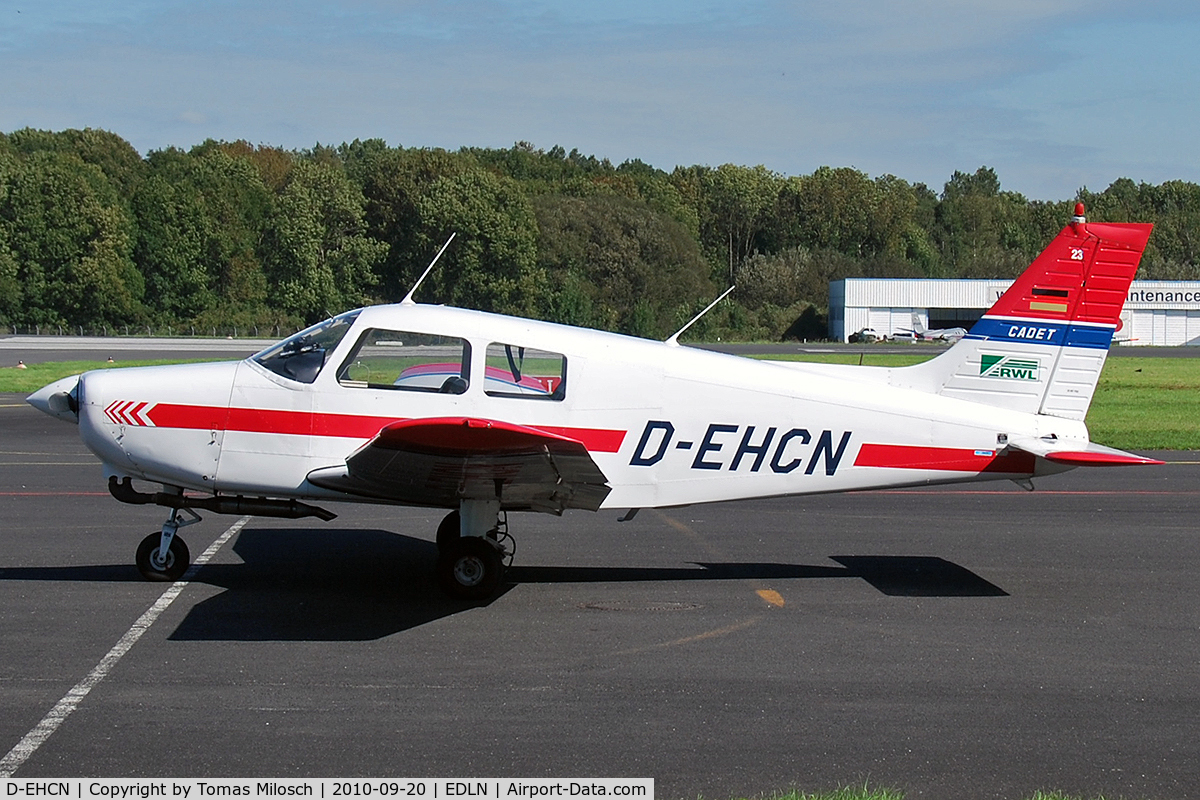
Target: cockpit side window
(516, 371)
(408, 361)
(302, 356)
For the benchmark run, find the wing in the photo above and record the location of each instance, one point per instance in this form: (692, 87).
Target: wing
(438, 462)
(1076, 453)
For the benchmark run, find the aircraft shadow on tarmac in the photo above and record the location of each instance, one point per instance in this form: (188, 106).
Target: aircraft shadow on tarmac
(897, 576)
(357, 585)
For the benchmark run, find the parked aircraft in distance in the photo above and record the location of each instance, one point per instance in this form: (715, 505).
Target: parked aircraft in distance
(865, 336)
(483, 414)
(918, 333)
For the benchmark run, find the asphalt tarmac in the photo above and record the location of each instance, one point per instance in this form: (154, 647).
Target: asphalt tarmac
(980, 642)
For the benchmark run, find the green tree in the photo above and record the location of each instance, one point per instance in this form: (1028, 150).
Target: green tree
(237, 209)
(11, 294)
(71, 239)
(394, 181)
(172, 247)
(115, 157)
(981, 231)
(274, 164)
(492, 265)
(736, 205)
(1176, 210)
(617, 264)
(320, 259)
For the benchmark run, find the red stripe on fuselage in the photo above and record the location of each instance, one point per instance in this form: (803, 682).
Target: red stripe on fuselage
(348, 426)
(950, 459)
(597, 440)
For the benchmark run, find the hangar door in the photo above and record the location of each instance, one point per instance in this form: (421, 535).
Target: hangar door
(1163, 327)
(890, 321)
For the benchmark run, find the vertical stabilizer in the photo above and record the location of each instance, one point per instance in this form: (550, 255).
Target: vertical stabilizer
(1041, 347)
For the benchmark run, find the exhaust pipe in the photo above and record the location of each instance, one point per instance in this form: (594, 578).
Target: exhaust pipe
(220, 504)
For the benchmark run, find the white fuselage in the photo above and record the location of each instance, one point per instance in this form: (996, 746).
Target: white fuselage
(667, 425)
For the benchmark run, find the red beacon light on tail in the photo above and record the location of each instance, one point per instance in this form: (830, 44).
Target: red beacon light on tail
(1079, 218)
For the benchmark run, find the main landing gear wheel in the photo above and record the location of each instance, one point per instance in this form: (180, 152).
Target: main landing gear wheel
(154, 567)
(471, 568)
(448, 532)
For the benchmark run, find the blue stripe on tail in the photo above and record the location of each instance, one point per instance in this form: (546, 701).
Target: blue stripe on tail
(1042, 332)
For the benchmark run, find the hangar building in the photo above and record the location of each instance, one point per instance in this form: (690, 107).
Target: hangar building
(1164, 313)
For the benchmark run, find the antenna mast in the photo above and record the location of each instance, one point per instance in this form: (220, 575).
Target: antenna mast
(674, 340)
(408, 298)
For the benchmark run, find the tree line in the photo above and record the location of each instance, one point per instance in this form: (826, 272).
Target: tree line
(229, 234)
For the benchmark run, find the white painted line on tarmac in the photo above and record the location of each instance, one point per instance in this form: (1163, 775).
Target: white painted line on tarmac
(63, 709)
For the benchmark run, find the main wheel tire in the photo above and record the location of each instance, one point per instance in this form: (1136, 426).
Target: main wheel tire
(169, 569)
(448, 532)
(471, 569)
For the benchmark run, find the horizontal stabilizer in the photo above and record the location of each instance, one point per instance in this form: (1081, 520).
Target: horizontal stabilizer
(1077, 453)
(442, 461)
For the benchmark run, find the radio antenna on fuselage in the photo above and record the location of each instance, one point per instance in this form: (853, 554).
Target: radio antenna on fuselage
(408, 298)
(674, 340)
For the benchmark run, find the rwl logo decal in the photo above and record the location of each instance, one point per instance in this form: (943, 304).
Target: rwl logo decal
(1008, 368)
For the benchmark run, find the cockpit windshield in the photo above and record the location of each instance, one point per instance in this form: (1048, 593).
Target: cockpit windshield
(301, 357)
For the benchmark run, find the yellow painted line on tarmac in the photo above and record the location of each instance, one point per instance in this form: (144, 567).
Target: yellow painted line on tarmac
(699, 637)
(771, 596)
(14, 405)
(687, 530)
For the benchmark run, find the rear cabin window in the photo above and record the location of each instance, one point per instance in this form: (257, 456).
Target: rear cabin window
(408, 361)
(526, 372)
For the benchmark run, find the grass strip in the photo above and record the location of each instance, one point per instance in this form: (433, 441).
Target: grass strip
(868, 792)
(864, 792)
(34, 376)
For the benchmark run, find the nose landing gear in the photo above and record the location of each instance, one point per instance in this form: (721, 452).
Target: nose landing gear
(164, 556)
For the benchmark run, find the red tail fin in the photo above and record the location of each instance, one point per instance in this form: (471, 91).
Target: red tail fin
(1083, 276)
(1041, 347)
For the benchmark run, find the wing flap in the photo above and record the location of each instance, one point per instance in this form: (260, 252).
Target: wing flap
(439, 462)
(1078, 453)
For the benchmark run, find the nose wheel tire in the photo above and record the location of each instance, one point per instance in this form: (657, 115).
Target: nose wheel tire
(156, 566)
(471, 569)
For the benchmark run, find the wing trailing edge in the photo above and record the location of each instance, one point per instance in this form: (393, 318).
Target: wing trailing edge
(441, 461)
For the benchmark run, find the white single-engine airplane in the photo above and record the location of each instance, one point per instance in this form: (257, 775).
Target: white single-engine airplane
(919, 333)
(484, 414)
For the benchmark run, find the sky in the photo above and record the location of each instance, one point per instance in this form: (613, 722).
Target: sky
(1054, 95)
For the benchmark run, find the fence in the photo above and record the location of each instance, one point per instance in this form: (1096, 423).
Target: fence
(149, 331)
